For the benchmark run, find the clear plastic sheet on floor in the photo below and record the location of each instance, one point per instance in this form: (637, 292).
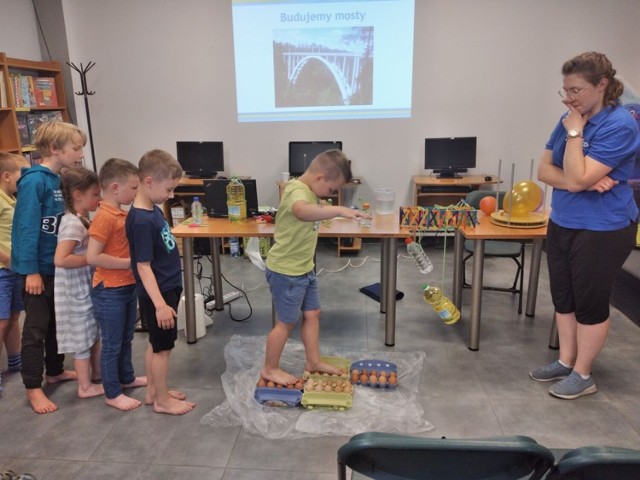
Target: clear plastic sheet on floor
(391, 411)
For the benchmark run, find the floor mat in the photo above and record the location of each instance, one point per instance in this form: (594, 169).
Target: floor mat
(395, 410)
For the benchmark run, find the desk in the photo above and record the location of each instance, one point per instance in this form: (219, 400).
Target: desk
(485, 230)
(442, 196)
(383, 227)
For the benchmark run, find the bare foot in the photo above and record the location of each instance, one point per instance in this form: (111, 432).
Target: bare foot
(278, 376)
(322, 368)
(174, 407)
(138, 382)
(63, 377)
(92, 391)
(178, 395)
(39, 401)
(122, 402)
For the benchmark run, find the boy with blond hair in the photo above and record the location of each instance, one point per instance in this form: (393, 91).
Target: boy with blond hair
(10, 282)
(114, 293)
(39, 208)
(156, 265)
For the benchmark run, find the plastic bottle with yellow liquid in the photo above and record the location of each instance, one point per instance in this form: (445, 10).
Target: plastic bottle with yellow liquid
(444, 307)
(236, 201)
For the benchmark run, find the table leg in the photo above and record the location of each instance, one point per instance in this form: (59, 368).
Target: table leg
(476, 294)
(458, 265)
(217, 273)
(554, 343)
(189, 291)
(534, 275)
(384, 268)
(389, 283)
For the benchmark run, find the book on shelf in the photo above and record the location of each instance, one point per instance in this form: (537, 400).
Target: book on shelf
(45, 92)
(16, 88)
(35, 119)
(23, 129)
(24, 91)
(34, 157)
(31, 88)
(3, 92)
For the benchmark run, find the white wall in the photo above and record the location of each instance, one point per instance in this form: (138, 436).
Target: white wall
(18, 31)
(164, 72)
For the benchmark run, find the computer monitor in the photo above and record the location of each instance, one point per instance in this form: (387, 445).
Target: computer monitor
(200, 159)
(449, 156)
(215, 197)
(301, 154)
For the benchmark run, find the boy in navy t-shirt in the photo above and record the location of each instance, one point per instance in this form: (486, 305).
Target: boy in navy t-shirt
(155, 262)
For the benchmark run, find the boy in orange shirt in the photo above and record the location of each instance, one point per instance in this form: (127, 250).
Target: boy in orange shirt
(114, 287)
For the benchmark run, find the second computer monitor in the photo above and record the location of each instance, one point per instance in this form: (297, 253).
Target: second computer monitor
(301, 154)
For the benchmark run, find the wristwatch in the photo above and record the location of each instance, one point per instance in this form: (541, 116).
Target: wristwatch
(574, 134)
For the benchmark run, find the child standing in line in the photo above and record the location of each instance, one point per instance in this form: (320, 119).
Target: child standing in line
(156, 265)
(114, 289)
(290, 272)
(10, 282)
(39, 208)
(77, 328)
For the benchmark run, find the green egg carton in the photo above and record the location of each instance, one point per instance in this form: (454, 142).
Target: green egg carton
(335, 401)
(338, 362)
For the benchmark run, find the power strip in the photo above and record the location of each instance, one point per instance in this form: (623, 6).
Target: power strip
(226, 298)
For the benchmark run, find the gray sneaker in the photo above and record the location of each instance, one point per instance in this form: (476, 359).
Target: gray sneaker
(573, 386)
(553, 371)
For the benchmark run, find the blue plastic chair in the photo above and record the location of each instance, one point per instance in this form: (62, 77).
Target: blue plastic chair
(597, 463)
(386, 456)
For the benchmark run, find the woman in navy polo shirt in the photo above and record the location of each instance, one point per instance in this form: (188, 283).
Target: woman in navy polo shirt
(587, 160)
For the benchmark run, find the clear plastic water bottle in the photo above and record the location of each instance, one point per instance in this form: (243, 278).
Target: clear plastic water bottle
(234, 246)
(444, 307)
(236, 201)
(415, 250)
(365, 222)
(196, 211)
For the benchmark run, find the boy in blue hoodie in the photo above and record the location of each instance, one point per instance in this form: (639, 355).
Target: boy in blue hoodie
(39, 209)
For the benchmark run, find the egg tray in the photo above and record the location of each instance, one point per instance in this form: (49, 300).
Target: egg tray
(378, 366)
(278, 397)
(331, 400)
(312, 398)
(338, 362)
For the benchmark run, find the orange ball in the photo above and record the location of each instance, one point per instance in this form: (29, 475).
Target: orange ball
(488, 205)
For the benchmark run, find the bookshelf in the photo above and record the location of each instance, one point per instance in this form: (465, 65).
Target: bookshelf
(18, 120)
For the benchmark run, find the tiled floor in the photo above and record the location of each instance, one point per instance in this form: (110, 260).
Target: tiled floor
(464, 394)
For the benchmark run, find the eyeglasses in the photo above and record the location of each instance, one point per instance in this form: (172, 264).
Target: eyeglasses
(572, 93)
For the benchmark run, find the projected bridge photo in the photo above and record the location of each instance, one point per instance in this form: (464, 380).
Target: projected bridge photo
(323, 67)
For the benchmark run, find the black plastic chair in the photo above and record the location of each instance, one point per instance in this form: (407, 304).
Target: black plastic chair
(597, 463)
(386, 456)
(496, 248)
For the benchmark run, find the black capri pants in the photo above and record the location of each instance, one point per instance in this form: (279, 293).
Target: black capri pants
(583, 266)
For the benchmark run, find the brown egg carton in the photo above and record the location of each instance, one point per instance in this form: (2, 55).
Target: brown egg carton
(374, 374)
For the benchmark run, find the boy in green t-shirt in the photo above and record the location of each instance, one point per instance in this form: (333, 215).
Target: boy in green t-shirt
(290, 267)
(10, 282)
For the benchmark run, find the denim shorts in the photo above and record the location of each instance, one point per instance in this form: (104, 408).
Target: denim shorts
(292, 294)
(10, 293)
